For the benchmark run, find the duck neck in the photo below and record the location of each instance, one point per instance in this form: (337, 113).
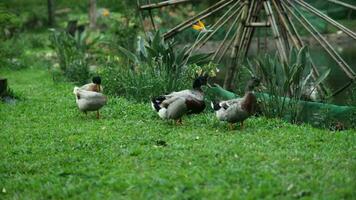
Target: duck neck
(249, 102)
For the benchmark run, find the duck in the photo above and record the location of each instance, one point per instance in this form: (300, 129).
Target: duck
(175, 105)
(89, 97)
(95, 86)
(238, 109)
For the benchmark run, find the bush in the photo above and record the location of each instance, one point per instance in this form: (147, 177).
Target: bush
(285, 83)
(157, 67)
(73, 54)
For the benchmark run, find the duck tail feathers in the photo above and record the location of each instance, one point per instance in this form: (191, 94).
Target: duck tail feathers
(215, 105)
(75, 90)
(156, 102)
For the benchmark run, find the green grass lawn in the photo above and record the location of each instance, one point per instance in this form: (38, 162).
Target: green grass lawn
(48, 149)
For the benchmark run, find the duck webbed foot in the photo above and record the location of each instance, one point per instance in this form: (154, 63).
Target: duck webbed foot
(231, 126)
(179, 122)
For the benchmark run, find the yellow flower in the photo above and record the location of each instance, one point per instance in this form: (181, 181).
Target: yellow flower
(106, 12)
(200, 26)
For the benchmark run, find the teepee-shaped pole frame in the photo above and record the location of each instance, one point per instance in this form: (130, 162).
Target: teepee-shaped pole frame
(242, 16)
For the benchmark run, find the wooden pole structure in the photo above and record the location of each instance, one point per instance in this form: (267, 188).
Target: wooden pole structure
(326, 18)
(280, 46)
(241, 29)
(162, 4)
(225, 39)
(151, 17)
(340, 3)
(92, 14)
(219, 25)
(251, 30)
(296, 40)
(241, 43)
(200, 16)
(322, 41)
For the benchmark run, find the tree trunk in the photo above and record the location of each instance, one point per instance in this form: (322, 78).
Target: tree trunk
(3, 86)
(50, 6)
(92, 14)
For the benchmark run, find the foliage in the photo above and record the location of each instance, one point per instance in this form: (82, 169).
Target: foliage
(9, 23)
(285, 81)
(131, 154)
(73, 53)
(157, 67)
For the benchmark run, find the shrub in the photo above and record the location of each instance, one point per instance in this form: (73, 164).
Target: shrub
(73, 54)
(284, 82)
(157, 67)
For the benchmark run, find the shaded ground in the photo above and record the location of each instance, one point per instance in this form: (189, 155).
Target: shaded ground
(50, 150)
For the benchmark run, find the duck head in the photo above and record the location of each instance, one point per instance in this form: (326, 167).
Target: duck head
(252, 83)
(200, 81)
(97, 81)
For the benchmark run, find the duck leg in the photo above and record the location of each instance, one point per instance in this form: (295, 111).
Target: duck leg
(242, 125)
(97, 114)
(179, 121)
(231, 126)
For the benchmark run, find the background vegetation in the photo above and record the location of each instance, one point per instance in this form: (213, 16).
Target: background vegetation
(50, 150)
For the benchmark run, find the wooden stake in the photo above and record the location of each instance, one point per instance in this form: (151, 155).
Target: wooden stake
(279, 42)
(162, 4)
(322, 41)
(343, 4)
(215, 29)
(200, 16)
(297, 41)
(225, 39)
(321, 15)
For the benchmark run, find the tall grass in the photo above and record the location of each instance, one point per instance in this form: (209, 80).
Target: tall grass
(73, 54)
(286, 83)
(156, 67)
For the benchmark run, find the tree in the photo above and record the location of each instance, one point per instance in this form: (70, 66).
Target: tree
(50, 5)
(92, 14)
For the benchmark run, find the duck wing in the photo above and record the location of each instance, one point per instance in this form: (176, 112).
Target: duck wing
(90, 101)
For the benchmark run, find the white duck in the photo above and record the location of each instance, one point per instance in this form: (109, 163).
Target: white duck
(238, 110)
(89, 98)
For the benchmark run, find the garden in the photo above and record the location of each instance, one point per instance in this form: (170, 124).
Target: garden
(178, 99)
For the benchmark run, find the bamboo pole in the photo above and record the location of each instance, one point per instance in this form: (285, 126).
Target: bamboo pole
(297, 41)
(322, 41)
(247, 42)
(202, 15)
(215, 29)
(280, 46)
(284, 22)
(236, 44)
(241, 45)
(151, 17)
(326, 18)
(162, 4)
(341, 89)
(225, 39)
(340, 3)
(140, 15)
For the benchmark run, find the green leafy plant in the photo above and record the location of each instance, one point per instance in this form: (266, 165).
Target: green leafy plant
(73, 53)
(285, 83)
(157, 67)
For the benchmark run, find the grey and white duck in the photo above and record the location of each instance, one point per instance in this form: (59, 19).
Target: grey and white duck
(89, 97)
(239, 109)
(176, 104)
